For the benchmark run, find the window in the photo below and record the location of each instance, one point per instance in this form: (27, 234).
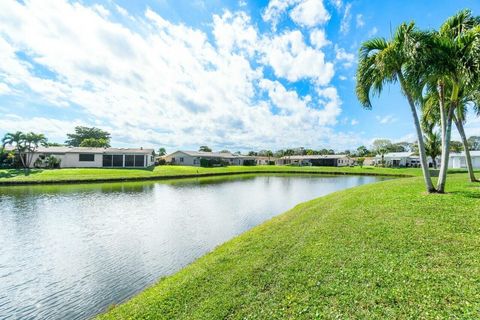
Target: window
(129, 160)
(181, 159)
(117, 160)
(139, 161)
(84, 157)
(107, 160)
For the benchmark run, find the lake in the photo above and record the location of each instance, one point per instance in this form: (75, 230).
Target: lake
(71, 251)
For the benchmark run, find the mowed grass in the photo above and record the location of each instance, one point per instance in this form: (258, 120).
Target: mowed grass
(380, 251)
(95, 174)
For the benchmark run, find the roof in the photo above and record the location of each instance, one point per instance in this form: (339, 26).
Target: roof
(65, 149)
(462, 154)
(397, 155)
(314, 156)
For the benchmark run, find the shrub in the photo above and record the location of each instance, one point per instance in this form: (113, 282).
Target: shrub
(161, 162)
(360, 161)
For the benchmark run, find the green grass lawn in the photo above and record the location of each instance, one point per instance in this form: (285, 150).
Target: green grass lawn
(81, 174)
(380, 251)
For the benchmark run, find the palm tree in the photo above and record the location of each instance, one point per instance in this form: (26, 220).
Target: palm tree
(382, 62)
(32, 142)
(17, 140)
(451, 65)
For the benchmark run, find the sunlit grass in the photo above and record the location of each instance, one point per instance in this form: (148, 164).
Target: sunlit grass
(83, 174)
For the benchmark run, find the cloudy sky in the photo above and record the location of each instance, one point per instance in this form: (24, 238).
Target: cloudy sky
(236, 75)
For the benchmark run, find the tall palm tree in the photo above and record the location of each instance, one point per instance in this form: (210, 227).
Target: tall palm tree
(32, 142)
(451, 65)
(382, 62)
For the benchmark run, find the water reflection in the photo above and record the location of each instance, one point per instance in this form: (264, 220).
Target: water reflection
(70, 251)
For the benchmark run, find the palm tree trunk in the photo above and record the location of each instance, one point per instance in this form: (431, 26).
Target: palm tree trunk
(442, 178)
(421, 143)
(468, 157)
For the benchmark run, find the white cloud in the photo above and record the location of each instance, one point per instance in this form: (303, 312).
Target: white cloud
(346, 19)
(293, 60)
(310, 13)
(372, 32)
(354, 122)
(318, 38)
(359, 21)
(343, 56)
(307, 13)
(337, 4)
(164, 83)
(343, 78)
(386, 119)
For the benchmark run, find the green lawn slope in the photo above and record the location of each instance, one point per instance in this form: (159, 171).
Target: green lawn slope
(167, 172)
(379, 251)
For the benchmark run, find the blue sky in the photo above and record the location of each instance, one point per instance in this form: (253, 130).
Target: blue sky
(240, 75)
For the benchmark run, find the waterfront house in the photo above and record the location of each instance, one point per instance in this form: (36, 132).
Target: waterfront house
(82, 157)
(402, 159)
(337, 160)
(194, 158)
(458, 160)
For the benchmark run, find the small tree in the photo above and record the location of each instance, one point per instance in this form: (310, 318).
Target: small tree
(95, 143)
(162, 152)
(381, 147)
(360, 161)
(474, 143)
(83, 133)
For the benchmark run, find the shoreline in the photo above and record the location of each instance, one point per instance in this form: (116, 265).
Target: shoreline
(196, 175)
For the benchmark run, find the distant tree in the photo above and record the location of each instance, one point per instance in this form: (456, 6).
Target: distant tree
(456, 146)
(162, 151)
(268, 153)
(381, 147)
(362, 151)
(83, 133)
(224, 151)
(331, 151)
(310, 152)
(323, 152)
(252, 153)
(347, 152)
(474, 143)
(360, 161)
(400, 147)
(205, 149)
(279, 153)
(54, 144)
(289, 152)
(94, 143)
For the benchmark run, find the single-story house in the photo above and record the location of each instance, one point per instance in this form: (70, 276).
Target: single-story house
(458, 160)
(402, 159)
(82, 157)
(193, 158)
(337, 160)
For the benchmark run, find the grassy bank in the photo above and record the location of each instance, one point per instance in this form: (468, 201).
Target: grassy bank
(377, 251)
(167, 172)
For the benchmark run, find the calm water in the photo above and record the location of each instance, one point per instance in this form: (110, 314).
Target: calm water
(68, 252)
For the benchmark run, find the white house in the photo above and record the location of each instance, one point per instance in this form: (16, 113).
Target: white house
(403, 159)
(337, 160)
(458, 160)
(80, 157)
(193, 158)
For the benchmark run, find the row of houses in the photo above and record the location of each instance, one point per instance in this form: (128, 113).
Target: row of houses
(193, 158)
(409, 159)
(79, 157)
